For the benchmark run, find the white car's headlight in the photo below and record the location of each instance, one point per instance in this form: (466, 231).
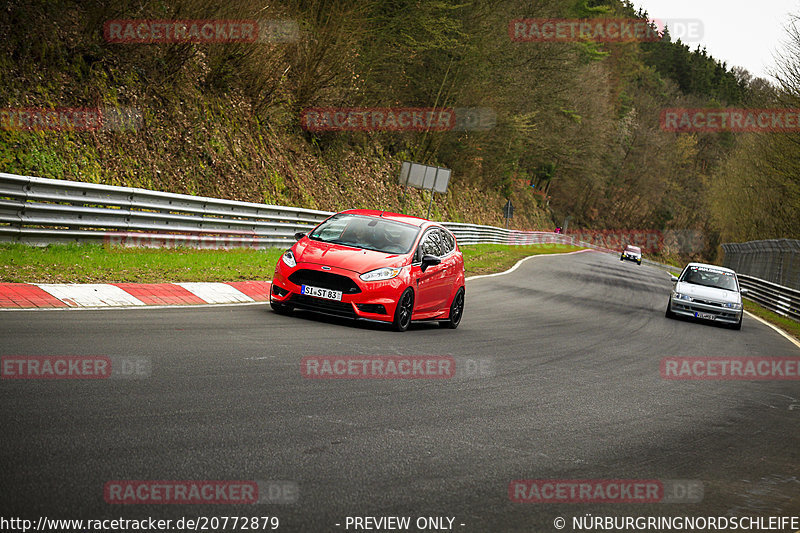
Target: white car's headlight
(288, 259)
(381, 274)
(732, 306)
(679, 296)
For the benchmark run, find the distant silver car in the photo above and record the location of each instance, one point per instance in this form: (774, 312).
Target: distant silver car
(707, 292)
(631, 253)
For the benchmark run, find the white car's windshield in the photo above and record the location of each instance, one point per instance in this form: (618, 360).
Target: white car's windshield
(369, 233)
(709, 277)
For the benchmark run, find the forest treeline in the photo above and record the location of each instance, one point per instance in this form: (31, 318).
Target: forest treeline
(577, 130)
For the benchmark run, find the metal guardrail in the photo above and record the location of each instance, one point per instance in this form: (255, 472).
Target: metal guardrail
(775, 260)
(777, 298)
(42, 211)
(478, 234)
(770, 270)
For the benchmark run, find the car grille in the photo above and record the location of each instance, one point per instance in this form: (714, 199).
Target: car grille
(332, 307)
(325, 280)
(718, 312)
(706, 302)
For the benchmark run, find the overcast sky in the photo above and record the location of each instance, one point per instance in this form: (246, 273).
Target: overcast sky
(746, 33)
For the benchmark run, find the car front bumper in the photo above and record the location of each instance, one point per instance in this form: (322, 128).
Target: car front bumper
(628, 257)
(712, 311)
(374, 301)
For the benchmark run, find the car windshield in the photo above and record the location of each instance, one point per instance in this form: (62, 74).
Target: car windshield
(710, 278)
(633, 249)
(368, 233)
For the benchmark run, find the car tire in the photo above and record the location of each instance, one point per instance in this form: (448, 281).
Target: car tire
(738, 325)
(281, 309)
(638, 262)
(621, 258)
(456, 310)
(404, 310)
(669, 313)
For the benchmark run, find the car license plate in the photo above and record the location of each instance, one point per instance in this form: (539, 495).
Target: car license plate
(319, 292)
(704, 316)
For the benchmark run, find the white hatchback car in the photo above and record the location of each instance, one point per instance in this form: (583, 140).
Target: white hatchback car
(631, 253)
(707, 292)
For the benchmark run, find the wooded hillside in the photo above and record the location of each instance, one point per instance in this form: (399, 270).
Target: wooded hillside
(579, 121)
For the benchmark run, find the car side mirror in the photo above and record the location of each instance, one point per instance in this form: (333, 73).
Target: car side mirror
(744, 291)
(429, 260)
(299, 235)
(673, 277)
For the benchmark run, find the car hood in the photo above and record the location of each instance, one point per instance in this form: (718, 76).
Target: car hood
(336, 255)
(708, 293)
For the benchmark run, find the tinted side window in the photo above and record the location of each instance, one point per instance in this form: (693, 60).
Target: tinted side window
(432, 244)
(448, 241)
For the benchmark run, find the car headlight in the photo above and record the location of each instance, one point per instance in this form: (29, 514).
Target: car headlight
(679, 296)
(381, 274)
(288, 259)
(732, 305)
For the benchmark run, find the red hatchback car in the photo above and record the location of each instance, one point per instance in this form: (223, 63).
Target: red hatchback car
(373, 265)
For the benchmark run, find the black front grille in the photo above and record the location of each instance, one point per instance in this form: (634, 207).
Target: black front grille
(326, 280)
(301, 301)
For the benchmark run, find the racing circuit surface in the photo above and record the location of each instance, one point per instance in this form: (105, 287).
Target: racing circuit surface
(573, 342)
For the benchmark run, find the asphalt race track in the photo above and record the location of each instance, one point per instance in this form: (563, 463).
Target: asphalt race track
(573, 391)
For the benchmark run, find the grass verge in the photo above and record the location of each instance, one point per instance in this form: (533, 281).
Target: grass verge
(84, 263)
(492, 258)
(87, 263)
(786, 324)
